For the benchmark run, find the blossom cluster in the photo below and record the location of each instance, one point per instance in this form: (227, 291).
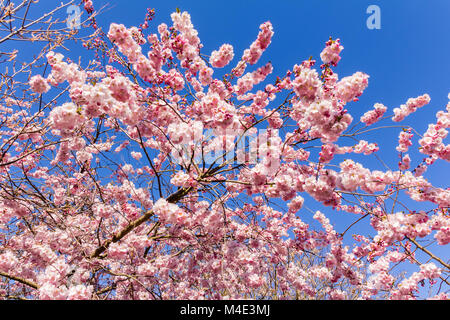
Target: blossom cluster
(144, 184)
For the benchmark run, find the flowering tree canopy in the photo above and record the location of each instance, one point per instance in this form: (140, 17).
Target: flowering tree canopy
(173, 173)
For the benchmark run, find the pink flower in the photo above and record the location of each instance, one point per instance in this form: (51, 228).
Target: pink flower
(253, 54)
(275, 120)
(51, 292)
(405, 163)
(350, 88)
(222, 57)
(296, 204)
(327, 153)
(365, 147)
(8, 261)
(205, 75)
(118, 251)
(420, 170)
(65, 117)
(306, 84)
(39, 84)
(337, 294)
(432, 142)
(404, 141)
(441, 296)
(170, 213)
(88, 6)
(136, 155)
(246, 82)
(80, 292)
(255, 281)
(411, 106)
(372, 116)
(180, 179)
(331, 52)
(430, 271)
(174, 79)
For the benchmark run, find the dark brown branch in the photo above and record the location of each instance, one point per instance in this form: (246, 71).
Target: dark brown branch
(173, 198)
(23, 281)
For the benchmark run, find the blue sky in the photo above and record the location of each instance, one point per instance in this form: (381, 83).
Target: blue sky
(406, 58)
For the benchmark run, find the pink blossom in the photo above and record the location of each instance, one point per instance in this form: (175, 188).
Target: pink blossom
(222, 57)
(65, 117)
(411, 106)
(219, 210)
(365, 147)
(405, 163)
(296, 204)
(430, 271)
(350, 88)
(372, 116)
(80, 292)
(404, 141)
(180, 179)
(8, 261)
(331, 52)
(306, 84)
(175, 80)
(52, 292)
(263, 40)
(39, 84)
(205, 75)
(275, 121)
(327, 153)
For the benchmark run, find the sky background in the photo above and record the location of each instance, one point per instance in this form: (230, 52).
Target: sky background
(407, 57)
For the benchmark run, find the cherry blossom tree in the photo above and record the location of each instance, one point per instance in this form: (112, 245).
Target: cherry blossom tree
(173, 173)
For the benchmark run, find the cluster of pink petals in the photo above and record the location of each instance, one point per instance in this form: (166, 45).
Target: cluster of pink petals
(350, 88)
(174, 79)
(405, 163)
(65, 117)
(170, 213)
(404, 141)
(306, 83)
(180, 179)
(411, 106)
(261, 43)
(296, 204)
(136, 155)
(331, 53)
(38, 84)
(432, 142)
(372, 116)
(63, 71)
(327, 152)
(200, 247)
(324, 118)
(88, 6)
(250, 79)
(222, 57)
(123, 37)
(408, 287)
(365, 147)
(441, 223)
(217, 111)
